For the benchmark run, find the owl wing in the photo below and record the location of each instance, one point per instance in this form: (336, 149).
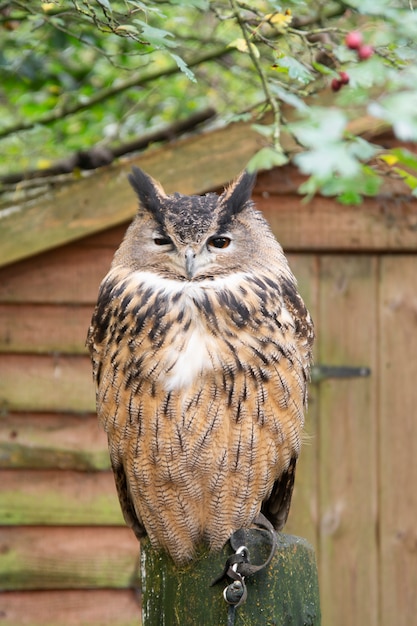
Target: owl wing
(126, 503)
(101, 320)
(277, 506)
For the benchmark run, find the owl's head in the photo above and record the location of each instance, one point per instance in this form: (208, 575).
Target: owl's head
(193, 237)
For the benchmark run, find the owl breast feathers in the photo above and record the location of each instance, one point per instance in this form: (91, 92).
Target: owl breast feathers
(201, 350)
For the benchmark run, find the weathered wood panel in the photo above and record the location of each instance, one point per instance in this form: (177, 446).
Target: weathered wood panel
(70, 275)
(398, 441)
(52, 441)
(99, 607)
(67, 558)
(380, 224)
(105, 199)
(58, 498)
(347, 434)
(42, 329)
(46, 383)
(110, 238)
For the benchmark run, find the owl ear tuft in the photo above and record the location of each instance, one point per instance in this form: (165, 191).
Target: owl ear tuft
(239, 192)
(149, 192)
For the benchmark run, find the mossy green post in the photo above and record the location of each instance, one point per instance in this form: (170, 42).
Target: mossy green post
(285, 593)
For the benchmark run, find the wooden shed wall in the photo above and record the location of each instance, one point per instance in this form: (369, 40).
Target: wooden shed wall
(66, 557)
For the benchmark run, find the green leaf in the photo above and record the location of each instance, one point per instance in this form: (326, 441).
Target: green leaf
(368, 73)
(157, 37)
(405, 157)
(351, 196)
(328, 159)
(288, 97)
(106, 5)
(127, 28)
(348, 190)
(203, 5)
(241, 44)
(400, 110)
(183, 67)
(408, 178)
(309, 188)
(320, 126)
(241, 117)
(266, 130)
(146, 7)
(362, 149)
(382, 8)
(323, 69)
(266, 159)
(294, 68)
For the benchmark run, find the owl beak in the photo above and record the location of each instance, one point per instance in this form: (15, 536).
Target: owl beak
(190, 262)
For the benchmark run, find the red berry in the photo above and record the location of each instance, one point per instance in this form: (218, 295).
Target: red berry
(344, 78)
(354, 40)
(365, 52)
(335, 84)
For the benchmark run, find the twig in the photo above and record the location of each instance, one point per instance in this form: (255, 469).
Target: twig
(264, 80)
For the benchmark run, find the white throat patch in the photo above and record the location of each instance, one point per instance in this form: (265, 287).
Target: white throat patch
(190, 360)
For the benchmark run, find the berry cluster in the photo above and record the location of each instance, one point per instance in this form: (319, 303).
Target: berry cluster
(337, 83)
(354, 41)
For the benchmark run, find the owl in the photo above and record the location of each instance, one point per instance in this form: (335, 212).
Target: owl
(201, 349)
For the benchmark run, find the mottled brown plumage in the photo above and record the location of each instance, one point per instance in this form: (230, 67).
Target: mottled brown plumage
(201, 349)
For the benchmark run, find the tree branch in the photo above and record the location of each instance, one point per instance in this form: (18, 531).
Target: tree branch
(102, 155)
(273, 102)
(138, 79)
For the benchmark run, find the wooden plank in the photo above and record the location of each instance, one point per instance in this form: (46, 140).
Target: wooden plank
(110, 238)
(67, 558)
(303, 517)
(58, 497)
(36, 441)
(46, 383)
(398, 441)
(105, 199)
(379, 224)
(347, 438)
(41, 329)
(70, 275)
(98, 607)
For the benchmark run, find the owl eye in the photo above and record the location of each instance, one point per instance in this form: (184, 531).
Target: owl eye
(219, 242)
(162, 241)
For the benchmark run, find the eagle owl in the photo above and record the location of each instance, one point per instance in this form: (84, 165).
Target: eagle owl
(201, 349)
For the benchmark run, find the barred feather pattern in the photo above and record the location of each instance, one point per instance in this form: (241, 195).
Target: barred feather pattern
(201, 388)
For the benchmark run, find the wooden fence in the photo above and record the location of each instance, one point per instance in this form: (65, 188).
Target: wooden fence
(66, 557)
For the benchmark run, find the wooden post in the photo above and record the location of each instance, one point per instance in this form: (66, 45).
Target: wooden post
(284, 593)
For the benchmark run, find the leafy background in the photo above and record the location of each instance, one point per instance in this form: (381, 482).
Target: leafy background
(79, 73)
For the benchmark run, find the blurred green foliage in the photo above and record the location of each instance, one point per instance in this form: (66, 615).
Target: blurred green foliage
(74, 73)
